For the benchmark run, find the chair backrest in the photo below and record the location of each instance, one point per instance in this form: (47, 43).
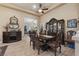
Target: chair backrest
(35, 39)
(32, 32)
(58, 38)
(70, 34)
(54, 34)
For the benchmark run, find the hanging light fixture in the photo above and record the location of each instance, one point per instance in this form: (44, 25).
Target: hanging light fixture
(41, 9)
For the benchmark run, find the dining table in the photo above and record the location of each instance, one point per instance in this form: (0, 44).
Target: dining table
(45, 39)
(47, 36)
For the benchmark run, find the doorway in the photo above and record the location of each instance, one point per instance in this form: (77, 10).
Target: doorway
(30, 24)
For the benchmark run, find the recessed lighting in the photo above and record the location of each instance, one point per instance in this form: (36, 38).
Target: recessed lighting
(34, 6)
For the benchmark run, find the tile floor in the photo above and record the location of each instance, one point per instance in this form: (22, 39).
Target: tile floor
(23, 48)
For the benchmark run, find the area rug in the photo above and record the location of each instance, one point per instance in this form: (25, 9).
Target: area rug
(2, 50)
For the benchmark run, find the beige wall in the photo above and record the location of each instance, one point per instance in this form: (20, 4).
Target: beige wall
(66, 12)
(6, 13)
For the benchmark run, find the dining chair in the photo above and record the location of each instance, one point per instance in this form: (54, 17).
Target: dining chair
(54, 45)
(70, 33)
(38, 45)
(31, 35)
(68, 41)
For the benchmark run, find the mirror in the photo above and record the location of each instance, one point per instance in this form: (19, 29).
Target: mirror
(13, 23)
(13, 20)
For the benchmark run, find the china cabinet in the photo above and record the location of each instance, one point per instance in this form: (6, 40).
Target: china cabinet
(55, 26)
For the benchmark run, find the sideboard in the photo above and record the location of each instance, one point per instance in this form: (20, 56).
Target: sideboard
(9, 37)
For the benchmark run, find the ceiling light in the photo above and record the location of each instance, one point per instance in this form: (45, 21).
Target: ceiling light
(40, 10)
(34, 6)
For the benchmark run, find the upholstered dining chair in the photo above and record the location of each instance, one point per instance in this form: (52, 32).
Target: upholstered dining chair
(69, 41)
(54, 45)
(31, 35)
(70, 33)
(36, 43)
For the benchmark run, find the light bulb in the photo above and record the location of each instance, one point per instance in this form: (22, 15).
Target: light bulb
(40, 10)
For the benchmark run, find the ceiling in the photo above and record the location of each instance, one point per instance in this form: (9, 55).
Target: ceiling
(33, 6)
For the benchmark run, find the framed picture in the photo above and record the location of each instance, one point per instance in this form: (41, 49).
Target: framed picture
(72, 23)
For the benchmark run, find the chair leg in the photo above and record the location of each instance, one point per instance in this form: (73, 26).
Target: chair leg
(33, 45)
(55, 51)
(30, 42)
(39, 51)
(60, 49)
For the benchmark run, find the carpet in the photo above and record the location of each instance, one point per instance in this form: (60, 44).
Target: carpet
(2, 50)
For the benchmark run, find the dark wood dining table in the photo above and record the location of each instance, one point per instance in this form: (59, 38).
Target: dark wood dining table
(45, 39)
(47, 36)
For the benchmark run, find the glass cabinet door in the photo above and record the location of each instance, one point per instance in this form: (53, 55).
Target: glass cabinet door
(55, 27)
(51, 26)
